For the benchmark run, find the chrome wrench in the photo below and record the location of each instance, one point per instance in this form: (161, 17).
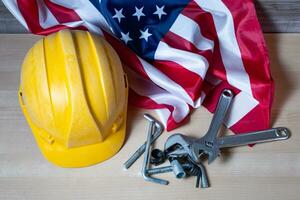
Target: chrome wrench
(207, 143)
(191, 147)
(184, 147)
(269, 135)
(179, 145)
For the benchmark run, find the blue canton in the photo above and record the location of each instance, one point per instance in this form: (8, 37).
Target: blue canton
(140, 24)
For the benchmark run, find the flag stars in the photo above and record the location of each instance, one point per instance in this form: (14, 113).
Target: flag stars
(125, 37)
(139, 13)
(145, 34)
(118, 14)
(160, 11)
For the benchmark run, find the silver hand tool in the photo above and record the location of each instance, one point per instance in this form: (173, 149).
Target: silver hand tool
(147, 154)
(206, 144)
(268, 135)
(179, 145)
(158, 131)
(187, 146)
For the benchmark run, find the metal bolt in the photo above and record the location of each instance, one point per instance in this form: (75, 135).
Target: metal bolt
(177, 168)
(147, 155)
(160, 170)
(141, 149)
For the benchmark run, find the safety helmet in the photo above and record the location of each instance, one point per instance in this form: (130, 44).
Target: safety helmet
(73, 93)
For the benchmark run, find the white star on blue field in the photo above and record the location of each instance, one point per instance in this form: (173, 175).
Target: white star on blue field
(140, 25)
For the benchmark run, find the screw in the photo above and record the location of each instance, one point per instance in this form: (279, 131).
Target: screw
(160, 170)
(166, 169)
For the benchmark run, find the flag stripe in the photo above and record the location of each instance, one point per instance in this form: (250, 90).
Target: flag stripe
(237, 111)
(62, 14)
(195, 62)
(193, 35)
(90, 16)
(30, 11)
(165, 82)
(46, 18)
(159, 96)
(258, 66)
(177, 42)
(236, 74)
(189, 81)
(205, 19)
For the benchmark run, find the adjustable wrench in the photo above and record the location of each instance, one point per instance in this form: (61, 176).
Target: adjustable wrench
(179, 145)
(187, 146)
(269, 135)
(206, 144)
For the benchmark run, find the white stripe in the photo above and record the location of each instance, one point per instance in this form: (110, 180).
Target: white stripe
(12, 6)
(148, 89)
(190, 31)
(241, 105)
(190, 61)
(163, 115)
(91, 17)
(230, 52)
(166, 83)
(46, 18)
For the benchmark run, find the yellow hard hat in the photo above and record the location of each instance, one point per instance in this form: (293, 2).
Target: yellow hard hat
(73, 93)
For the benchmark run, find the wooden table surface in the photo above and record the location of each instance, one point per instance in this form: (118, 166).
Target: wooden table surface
(267, 171)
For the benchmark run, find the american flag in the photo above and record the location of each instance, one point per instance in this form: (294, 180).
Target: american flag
(178, 54)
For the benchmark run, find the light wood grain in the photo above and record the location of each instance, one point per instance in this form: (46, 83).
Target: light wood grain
(274, 16)
(278, 16)
(268, 171)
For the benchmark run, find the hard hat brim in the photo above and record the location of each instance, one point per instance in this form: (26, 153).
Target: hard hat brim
(80, 156)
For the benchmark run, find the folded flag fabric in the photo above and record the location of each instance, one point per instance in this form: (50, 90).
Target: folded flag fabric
(178, 54)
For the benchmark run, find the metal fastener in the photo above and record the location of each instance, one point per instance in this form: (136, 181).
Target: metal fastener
(177, 168)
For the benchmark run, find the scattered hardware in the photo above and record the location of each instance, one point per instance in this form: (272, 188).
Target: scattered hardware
(185, 154)
(180, 167)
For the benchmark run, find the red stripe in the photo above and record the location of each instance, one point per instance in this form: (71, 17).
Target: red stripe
(188, 80)
(30, 13)
(207, 27)
(29, 10)
(148, 103)
(178, 42)
(62, 14)
(256, 61)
